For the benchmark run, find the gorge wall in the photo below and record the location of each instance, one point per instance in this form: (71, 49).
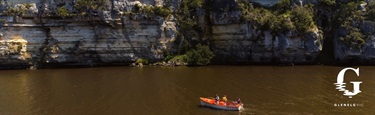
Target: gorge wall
(36, 39)
(39, 34)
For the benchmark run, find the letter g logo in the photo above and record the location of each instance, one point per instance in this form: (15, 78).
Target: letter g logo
(340, 85)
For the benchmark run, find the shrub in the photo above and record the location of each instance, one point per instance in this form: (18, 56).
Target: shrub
(279, 20)
(17, 10)
(201, 55)
(179, 58)
(354, 39)
(348, 13)
(186, 13)
(143, 61)
(162, 11)
(84, 6)
(303, 18)
(62, 11)
(282, 6)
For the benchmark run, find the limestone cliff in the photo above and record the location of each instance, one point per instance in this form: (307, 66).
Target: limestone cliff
(354, 41)
(37, 37)
(240, 42)
(41, 33)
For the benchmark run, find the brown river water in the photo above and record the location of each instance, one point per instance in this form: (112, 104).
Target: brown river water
(176, 90)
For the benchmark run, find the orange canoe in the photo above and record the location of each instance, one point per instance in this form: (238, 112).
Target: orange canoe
(229, 105)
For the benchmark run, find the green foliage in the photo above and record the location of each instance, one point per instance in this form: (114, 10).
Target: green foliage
(179, 58)
(201, 55)
(354, 39)
(143, 61)
(328, 3)
(371, 10)
(348, 13)
(282, 6)
(286, 24)
(277, 18)
(260, 16)
(346, 17)
(186, 13)
(12, 12)
(303, 18)
(62, 11)
(84, 6)
(162, 11)
(168, 56)
(17, 10)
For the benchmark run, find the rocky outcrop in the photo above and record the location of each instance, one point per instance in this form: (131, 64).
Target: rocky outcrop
(345, 54)
(240, 43)
(36, 39)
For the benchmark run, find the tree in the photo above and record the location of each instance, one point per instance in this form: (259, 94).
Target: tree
(303, 18)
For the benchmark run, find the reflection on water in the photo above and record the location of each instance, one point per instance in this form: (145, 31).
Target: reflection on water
(157, 90)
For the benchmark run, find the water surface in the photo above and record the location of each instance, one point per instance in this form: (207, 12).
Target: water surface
(175, 90)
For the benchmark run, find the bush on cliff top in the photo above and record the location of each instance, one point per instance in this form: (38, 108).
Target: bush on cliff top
(62, 11)
(163, 11)
(85, 7)
(18, 10)
(303, 19)
(281, 17)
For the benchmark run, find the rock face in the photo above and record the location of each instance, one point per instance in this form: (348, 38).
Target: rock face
(240, 43)
(112, 36)
(355, 55)
(33, 40)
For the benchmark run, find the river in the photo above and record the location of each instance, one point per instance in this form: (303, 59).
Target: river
(176, 90)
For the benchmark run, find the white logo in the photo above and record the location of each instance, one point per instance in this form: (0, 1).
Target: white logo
(341, 85)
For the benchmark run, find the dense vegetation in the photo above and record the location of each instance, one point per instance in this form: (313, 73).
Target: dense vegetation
(281, 17)
(371, 11)
(348, 18)
(18, 10)
(200, 55)
(163, 11)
